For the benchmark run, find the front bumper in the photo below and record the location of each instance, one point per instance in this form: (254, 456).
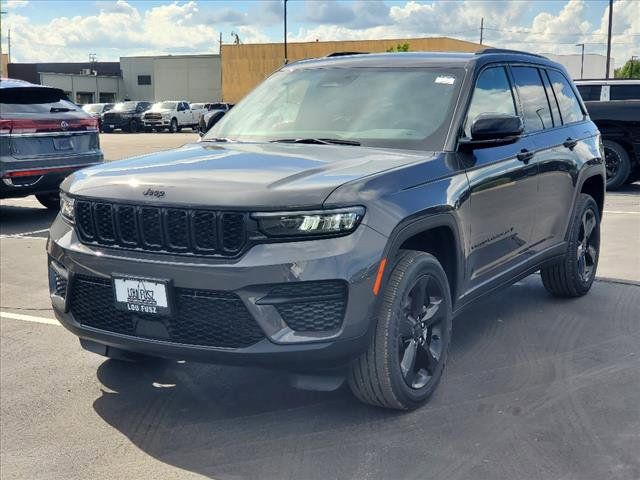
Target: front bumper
(352, 259)
(160, 122)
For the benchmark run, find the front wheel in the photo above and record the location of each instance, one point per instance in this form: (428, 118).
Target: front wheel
(407, 353)
(173, 126)
(574, 274)
(49, 200)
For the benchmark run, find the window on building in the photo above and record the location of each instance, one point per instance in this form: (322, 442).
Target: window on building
(537, 115)
(567, 100)
(144, 79)
(492, 95)
(84, 97)
(107, 97)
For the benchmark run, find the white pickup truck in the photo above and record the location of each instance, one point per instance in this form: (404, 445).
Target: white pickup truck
(171, 115)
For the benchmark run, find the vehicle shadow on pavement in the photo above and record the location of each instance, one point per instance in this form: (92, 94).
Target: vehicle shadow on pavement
(18, 220)
(527, 393)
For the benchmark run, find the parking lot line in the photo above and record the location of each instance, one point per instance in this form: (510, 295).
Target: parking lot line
(25, 234)
(621, 212)
(29, 318)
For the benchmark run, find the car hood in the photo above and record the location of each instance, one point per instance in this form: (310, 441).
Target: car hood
(237, 175)
(159, 110)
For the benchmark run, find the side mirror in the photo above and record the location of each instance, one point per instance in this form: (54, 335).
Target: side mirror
(494, 128)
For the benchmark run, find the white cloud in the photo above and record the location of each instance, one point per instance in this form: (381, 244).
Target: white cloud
(9, 4)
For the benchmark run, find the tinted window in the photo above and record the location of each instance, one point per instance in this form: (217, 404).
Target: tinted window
(33, 100)
(144, 79)
(625, 92)
(590, 93)
(537, 115)
(492, 94)
(567, 100)
(555, 112)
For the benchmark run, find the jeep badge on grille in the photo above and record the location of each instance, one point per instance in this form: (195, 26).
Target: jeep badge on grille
(154, 193)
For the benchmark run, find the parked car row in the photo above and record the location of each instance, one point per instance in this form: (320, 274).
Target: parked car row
(173, 115)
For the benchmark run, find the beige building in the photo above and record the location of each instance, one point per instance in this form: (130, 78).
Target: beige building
(244, 66)
(4, 60)
(85, 88)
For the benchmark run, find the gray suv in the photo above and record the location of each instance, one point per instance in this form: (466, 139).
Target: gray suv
(336, 220)
(43, 138)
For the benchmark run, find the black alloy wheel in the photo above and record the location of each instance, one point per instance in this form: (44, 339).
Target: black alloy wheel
(420, 345)
(617, 164)
(588, 246)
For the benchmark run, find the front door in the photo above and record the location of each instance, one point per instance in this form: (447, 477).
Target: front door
(503, 187)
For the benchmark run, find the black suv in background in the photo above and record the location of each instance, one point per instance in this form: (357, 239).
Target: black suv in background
(336, 220)
(43, 138)
(614, 106)
(126, 116)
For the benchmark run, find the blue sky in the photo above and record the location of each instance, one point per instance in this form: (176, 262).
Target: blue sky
(56, 30)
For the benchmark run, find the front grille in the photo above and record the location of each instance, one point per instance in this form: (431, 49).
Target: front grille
(201, 317)
(153, 116)
(176, 230)
(111, 118)
(310, 306)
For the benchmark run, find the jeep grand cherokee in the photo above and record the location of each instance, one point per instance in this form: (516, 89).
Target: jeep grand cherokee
(335, 221)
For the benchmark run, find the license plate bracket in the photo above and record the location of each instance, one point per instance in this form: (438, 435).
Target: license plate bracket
(149, 296)
(62, 143)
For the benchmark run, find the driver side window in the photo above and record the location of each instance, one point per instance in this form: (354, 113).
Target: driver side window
(492, 94)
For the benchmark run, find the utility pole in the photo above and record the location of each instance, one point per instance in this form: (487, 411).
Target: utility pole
(9, 47)
(481, 29)
(581, 60)
(220, 58)
(2, 12)
(286, 58)
(609, 38)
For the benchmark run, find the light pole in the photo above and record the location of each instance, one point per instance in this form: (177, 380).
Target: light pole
(581, 60)
(286, 59)
(609, 38)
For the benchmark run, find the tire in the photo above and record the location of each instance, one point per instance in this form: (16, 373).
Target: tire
(49, 200)
(173, 126)
(618, 164)
(574, 274)
(134, 126)
(396, 371)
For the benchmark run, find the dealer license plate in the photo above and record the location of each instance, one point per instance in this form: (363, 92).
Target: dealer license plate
(138, 295)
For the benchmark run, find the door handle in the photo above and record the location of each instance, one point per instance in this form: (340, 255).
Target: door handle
(570, 143)
(525, 155)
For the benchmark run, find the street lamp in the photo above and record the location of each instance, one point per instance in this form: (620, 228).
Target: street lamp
(581, 60)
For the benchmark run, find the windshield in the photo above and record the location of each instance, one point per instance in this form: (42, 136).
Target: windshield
(125, 106)
(387, 107)
(93, 108)
(164, 106)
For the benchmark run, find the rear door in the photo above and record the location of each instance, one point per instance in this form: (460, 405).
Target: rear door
(503, 187)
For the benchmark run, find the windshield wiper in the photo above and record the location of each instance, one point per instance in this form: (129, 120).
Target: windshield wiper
(318, 141)
(61, 109)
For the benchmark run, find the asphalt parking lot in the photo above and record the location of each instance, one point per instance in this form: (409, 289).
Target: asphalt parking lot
(536, 388)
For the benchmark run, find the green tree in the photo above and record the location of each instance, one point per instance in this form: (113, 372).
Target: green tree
(401, 47)
(631, 69)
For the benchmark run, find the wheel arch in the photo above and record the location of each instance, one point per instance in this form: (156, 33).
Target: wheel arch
(595, 186)
(437, 235)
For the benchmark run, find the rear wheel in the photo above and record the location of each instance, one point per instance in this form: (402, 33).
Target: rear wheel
(405, 359)
(49, 200)
(574, 274)
(617, 163)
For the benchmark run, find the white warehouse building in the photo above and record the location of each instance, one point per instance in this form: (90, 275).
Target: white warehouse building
(195, 78)
(595, 65)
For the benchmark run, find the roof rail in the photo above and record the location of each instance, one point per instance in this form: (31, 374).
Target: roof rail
(342, 54)
(506, 50)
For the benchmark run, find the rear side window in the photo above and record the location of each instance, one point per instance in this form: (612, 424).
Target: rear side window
(555, 111)
(624, 92)
(34, 100)
(590, 93)
(569, 105)
(492, 94)
(537, 115)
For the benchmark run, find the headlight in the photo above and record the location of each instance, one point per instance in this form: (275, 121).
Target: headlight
(309, 224)
(67, 207)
